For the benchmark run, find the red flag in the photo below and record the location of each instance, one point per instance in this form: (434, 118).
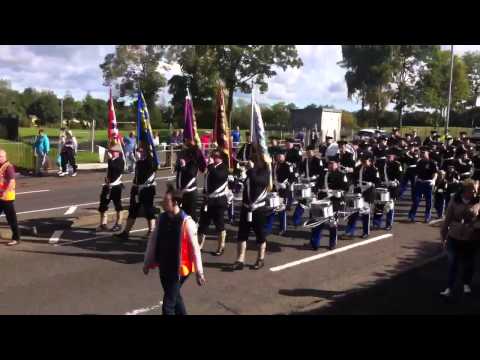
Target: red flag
(112, 121)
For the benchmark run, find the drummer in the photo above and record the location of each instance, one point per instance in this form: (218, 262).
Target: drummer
(331, 179)
(283, 177)
(390, 175)
(366, 179)
(311, 166)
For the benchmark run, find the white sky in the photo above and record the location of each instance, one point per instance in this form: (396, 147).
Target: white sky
(75, 68)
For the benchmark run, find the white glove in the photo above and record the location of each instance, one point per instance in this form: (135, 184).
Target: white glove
(314, 177)
(283, 186)
(349, 170)
(231, 178)
(431, 182)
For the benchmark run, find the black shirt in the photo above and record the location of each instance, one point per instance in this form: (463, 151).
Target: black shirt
(426, 169)
(245, 152)
(370, 174)
(293, 156)
(217, 176)
(394, 171)
(283, 171)
(186, 174)
(257, 180)
(315, 166)
(167, 251)
(336, 180)
(115, 168)
(143, 171)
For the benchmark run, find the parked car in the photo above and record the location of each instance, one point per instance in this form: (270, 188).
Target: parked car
(365, 134)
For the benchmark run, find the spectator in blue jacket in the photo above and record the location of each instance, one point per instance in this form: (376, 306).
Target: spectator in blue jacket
(130, 143)
(41, 150)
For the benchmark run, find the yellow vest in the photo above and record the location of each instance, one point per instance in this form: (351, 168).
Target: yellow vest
(8, 195)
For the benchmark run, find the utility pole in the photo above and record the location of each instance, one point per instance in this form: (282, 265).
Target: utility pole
(61, 113)
(449, 93)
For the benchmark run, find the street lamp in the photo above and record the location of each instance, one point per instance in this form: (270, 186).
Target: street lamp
(449, 92)
(61, 112)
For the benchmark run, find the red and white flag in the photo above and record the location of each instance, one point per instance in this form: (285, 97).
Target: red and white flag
(113, 134)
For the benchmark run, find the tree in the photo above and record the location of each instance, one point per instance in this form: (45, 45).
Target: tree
(135, 67)
(433, 86)
(46, 107)
(406, 61)
(238, 65)
(472, 63)
(369, 73)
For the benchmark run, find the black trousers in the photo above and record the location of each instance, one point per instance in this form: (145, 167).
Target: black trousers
(215, 212)
(172, 299)
(68, 157)
(114, 195)
(189, 204)
(8, 208)
(145, 202)
(259, 220)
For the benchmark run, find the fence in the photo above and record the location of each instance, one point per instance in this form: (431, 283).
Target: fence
(19, 154)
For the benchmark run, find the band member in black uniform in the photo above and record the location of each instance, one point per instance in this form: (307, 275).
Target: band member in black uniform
(439, 193)
(293, 155)
(395, 138)
(432, 138)
(435, 153)
(311, 166)
(453, 182)
(112, 189)
(345, 160)
(283, 177)
(364, 150)
(476, 167)
(409, 161)
(245, 152)
(332, 178)
(426, 175)
(464, 167)
(143, 191)
(366, 179)
(390, 176)
(189, 163)
(215, 203)
(253, 214)
(380, 152)
(323, 147)
(274, 149)
(416, 139)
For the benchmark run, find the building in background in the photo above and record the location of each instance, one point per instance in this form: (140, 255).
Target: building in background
(328, 121)
(9, 128)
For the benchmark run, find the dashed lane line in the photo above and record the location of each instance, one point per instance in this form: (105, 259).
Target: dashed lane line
(55, 237)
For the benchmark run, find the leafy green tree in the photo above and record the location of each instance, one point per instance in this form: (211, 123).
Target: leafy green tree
(472, 63)
(46, 107)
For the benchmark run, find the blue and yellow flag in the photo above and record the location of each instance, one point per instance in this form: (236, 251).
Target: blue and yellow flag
(144, 128)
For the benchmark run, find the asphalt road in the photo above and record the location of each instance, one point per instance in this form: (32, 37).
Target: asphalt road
(64, 267)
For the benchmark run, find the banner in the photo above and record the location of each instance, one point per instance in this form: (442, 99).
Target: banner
(221, 132)
(144, 128)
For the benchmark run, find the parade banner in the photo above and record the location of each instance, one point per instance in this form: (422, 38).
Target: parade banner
(113, 134)
(144, 128)
(221, 132)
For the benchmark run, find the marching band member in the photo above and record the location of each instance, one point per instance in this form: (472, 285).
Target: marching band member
(476, 166)
(409, 160)
(432, 138)
(366, 178)
(112, 189)
(311, 166)
(390, 175)
(426, 175)
(143, 191)
(322, 148)
(245, 152)
(346, 160)
(293, 155)
(253, 212)
(440, 191)
(453, 183)
(331, 179)
(283, 177)
(380, 152)
(189, 163)
(464, 167)
(215, 203)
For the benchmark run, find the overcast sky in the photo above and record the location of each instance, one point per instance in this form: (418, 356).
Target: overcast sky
(75, 68)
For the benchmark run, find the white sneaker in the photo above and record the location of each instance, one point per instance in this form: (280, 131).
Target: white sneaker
(74, 174)
(63, 174)
(467, 289)
(446, 292)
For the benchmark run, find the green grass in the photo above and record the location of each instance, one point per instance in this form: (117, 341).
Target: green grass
(19, 154)
(87, 157)
(424, 131)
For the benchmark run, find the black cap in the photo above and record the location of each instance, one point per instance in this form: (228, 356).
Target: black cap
(290, 140)
(392, 151)
(463, 133)
(341, 142)
(424, 148)
(395, 129)
(365, 156)
(311, 147)
(434, 132)
(449, 137)
(328, 138)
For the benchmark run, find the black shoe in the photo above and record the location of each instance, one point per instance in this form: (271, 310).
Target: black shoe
(332, 247)
(219, 252)
(388, 228)
(259, 264)
(365, 236)
(282, 233)
(237, 266)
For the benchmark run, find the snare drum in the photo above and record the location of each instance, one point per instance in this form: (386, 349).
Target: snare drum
(337, 194)
(354, 201)
(273, 200)
(321, 209)
(301, 191)
(382, 195)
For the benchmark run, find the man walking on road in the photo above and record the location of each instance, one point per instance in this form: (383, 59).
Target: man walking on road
(7, 196)
(175, 250)
(41, 148)
(130, 149)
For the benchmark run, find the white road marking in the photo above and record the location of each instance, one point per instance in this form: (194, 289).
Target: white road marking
(435, 221)
(336, 251)
(55, 237)
(95, 238)
(71, 210)
(32, 192)
(144, 310)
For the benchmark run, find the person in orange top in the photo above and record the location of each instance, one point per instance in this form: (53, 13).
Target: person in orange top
(7, 196)
(175, 251)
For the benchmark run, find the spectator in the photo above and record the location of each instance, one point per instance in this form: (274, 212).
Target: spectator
(175, 250)
(41, 150)
(61, 142)
(180, 137)
(69, 151)
(130, 149)
(460, 235)
(156, 139)
(7, 196)
(236, 138)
